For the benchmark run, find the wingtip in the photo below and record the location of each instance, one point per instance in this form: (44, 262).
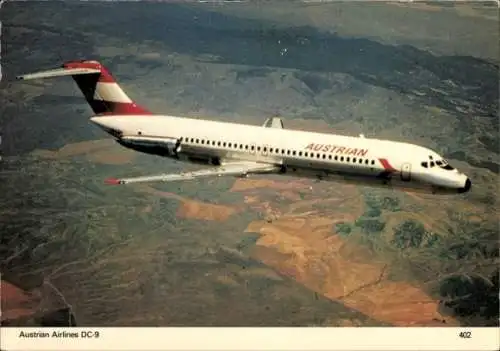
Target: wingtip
(113, 181)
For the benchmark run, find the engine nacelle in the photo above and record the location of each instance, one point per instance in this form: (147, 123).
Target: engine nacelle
(154, 146)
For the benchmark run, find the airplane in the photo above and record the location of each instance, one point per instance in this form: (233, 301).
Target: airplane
(234, 149)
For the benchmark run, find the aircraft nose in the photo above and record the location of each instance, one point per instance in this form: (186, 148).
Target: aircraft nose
(466, 187)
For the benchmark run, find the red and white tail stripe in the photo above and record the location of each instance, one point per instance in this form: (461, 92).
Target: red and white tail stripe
(100, 89)
(111, 92)
(102, 92)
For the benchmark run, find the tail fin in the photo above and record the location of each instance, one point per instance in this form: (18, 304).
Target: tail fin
(100, 89)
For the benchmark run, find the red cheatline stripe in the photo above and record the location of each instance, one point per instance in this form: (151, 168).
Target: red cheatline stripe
(387, 166)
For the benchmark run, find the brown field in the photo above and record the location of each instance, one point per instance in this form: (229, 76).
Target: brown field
(203, 211)
(244, 184)
(16, 302)
(194, 209)
(306, 250)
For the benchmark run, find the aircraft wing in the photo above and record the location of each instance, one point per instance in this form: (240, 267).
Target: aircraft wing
(229, 169)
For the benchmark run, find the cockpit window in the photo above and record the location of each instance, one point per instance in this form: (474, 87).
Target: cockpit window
(443, 164)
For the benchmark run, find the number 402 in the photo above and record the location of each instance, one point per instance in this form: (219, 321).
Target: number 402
(465, 335)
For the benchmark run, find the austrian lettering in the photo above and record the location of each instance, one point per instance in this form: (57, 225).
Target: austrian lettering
(334, 149)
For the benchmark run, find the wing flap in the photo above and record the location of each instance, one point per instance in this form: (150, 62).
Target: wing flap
(229, 169)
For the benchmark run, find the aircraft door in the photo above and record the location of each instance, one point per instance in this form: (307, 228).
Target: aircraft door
(178, 146)
(406, 172)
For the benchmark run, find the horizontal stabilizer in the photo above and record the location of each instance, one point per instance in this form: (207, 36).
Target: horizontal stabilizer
(100, 89)
(274, 122)
(58, 72)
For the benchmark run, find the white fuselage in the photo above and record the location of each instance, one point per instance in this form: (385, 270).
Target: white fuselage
(324, 156)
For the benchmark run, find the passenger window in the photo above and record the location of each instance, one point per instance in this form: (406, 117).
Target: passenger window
(318, 155)
(288, 152)
(228, 144)
(246, 147)
(252, 148)
(360, 161)
(202, 141)
(271, 150)
(366, 162)
(348, 159)
(265, 149)
(329, 157)
(424, 164)
(336, 158)
(354, 159)
(373, 162)
(258, 148)
(342, 159)
(324, 156)
(224, 144)
(432, 164)
(300, 153)
(197, 141)
(306, 154)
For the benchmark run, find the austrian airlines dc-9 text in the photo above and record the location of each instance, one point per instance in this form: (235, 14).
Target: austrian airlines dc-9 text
(240, 150)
